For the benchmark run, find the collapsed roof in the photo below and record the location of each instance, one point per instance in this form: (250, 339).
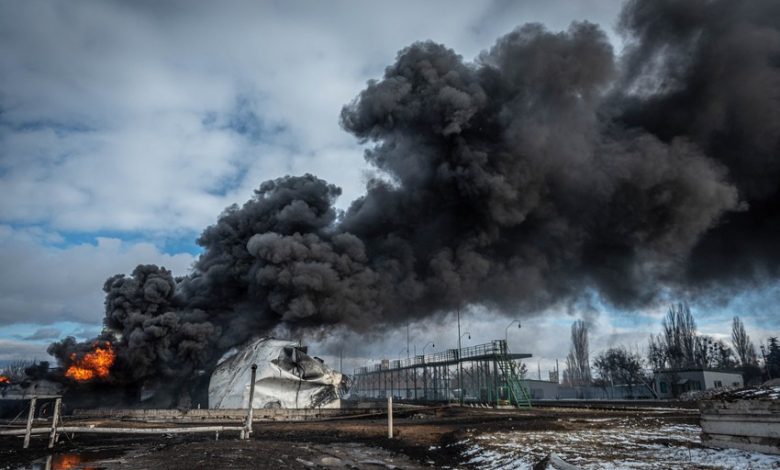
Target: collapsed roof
(286, 377)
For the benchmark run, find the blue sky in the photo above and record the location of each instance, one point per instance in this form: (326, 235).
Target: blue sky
(126, 128)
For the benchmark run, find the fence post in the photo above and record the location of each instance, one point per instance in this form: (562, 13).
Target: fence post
(30, 417)
(54, 421)
(390, 417)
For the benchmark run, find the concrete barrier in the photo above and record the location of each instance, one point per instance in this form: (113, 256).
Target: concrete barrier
(218, 415)
(752, 425)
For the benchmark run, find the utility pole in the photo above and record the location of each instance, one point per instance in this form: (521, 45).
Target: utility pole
(460, 365)
(766, 364)
(407, 341)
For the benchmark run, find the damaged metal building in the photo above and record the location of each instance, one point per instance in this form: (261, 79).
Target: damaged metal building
(286, 377)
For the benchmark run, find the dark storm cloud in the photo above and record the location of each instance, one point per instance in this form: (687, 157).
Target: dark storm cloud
(531, 176)
(709, 71)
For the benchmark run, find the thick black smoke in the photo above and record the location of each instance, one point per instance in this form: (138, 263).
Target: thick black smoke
(543, 170)
(709, 71)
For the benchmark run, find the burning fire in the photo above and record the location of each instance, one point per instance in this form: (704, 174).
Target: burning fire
(94, 364)
(68, 462)
(4, 380)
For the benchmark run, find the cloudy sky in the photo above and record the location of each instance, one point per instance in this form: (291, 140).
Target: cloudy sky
(127, 127)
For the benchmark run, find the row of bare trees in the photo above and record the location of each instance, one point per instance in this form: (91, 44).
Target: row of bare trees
(615, 366)
(678, 346)
(15, 371)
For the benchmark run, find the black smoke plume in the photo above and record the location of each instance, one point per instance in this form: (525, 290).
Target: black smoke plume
(709, 71)
(544, 169)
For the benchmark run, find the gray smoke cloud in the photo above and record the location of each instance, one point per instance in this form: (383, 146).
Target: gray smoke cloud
(544, 169)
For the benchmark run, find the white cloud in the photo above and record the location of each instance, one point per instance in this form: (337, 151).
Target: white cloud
(105, 106)
(42, 284)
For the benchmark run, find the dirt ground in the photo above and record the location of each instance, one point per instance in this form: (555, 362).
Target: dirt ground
(429, 438)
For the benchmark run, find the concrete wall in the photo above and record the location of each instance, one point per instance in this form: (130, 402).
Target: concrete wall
(618, 392)
(752, 425)
(542, 389)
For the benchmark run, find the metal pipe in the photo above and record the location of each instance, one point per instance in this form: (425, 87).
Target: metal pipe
(95, 430)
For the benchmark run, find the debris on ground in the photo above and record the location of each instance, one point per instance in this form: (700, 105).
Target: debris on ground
(553, 462)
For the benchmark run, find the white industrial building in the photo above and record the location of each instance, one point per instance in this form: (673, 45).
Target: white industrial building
(670, 383)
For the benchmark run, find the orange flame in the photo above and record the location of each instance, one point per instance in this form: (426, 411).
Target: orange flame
(4, 380)
(69, 462)
(94, 364)
(66, 462)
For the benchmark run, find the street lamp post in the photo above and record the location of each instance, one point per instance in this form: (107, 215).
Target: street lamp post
(506, 332)
(425, 370)
(460, 363)
(407, 341)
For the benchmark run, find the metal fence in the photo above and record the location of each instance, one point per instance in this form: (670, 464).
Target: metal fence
(493, 348)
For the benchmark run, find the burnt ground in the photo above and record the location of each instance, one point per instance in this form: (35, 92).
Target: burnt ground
(427, 438)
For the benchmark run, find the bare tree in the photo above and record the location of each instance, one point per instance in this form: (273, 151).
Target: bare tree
(578, 362)
(570, 373)
(724, 356)
(746, 351)
(704, 354)
(522, 369)
(656, 352)
(679, 334)
(15, 371)
(713, 353)
(620, 366)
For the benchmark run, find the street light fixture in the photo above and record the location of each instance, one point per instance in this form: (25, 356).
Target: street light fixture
(460, 363)
(425, 370)
(506, 331)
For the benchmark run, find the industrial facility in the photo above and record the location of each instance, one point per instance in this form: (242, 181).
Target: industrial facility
(486, 374)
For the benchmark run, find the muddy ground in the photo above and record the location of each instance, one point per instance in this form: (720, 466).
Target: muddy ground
(423, 439)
